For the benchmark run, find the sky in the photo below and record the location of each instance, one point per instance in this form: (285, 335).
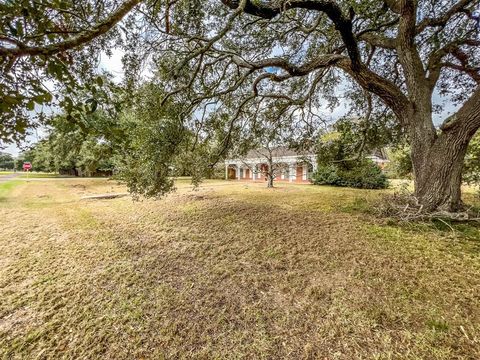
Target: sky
(113, 64)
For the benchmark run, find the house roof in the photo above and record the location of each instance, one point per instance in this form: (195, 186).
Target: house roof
(380, 153)
(279, 151)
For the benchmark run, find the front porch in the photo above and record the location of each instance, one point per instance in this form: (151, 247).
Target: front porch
(294, 171)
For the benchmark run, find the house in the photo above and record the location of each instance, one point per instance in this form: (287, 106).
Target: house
(379, 157)
(288, 165)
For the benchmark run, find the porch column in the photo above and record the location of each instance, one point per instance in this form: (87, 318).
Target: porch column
(226, 171)
(313, 160)
(292, 172)
(237, 172)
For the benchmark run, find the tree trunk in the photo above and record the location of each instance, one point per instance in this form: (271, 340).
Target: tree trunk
(437, 168)
(270, 171)
(269, 181)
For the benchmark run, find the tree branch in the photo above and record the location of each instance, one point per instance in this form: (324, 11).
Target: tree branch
(342, 22)
(443, 20)
(435, 63)
(467, 118)
(99, 29)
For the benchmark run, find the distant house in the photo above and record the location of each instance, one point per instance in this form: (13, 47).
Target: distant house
(289, 165)
(379, 157)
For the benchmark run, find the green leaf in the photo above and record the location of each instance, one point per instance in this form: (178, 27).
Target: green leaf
(31, 105)
(19, 28)
(11, 100)
(93, 105)
(99, 81)
(48, 97)
(39, 99)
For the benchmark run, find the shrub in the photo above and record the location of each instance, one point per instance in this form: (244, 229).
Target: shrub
(400, 165)
(326, 175)
(363, 174)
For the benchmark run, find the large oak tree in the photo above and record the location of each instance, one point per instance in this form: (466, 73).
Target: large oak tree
(245, 55)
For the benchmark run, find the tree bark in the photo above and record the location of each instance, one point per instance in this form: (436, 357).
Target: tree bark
(269, 181)
(437, 167)
(438, 155)
(438, 177)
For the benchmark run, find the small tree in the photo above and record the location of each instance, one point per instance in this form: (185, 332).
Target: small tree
(340, 164)
(274, 132)
(274, 167)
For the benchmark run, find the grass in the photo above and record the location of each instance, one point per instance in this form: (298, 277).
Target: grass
(40, 175)
(233, 270)
(5, 188)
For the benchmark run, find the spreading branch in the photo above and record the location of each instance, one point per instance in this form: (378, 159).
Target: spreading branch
(21, 50)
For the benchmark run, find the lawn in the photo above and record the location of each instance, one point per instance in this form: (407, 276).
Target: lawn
(41, 175)
(233, 270)
(33, 175)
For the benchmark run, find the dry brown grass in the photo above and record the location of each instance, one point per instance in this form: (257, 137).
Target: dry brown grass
(229, 271)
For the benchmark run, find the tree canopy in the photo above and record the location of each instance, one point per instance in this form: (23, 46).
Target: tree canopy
(49, 51)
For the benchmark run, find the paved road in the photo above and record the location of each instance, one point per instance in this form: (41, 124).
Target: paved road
(8, 177)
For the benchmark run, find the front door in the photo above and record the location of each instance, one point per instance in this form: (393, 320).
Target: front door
(299, 173)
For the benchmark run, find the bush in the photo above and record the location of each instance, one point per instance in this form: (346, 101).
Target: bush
(326, 175)
(363, 174)
(400, 165)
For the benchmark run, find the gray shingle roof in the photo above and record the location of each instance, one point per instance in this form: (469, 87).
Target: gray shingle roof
(276, 152)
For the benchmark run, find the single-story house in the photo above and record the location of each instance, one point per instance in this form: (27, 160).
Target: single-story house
(289, 165)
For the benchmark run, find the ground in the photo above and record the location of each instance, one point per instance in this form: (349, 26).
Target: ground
(233, 270)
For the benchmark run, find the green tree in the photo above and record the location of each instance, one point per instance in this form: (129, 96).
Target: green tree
(341, 158)
(87, 146)
(400, 165)
(472, 162)
(7, 162)
(156, 142)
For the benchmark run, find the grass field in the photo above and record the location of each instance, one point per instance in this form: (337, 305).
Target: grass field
(230, 271)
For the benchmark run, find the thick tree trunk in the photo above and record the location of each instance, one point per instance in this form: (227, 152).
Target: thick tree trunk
(437, 166)
(438, 178)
